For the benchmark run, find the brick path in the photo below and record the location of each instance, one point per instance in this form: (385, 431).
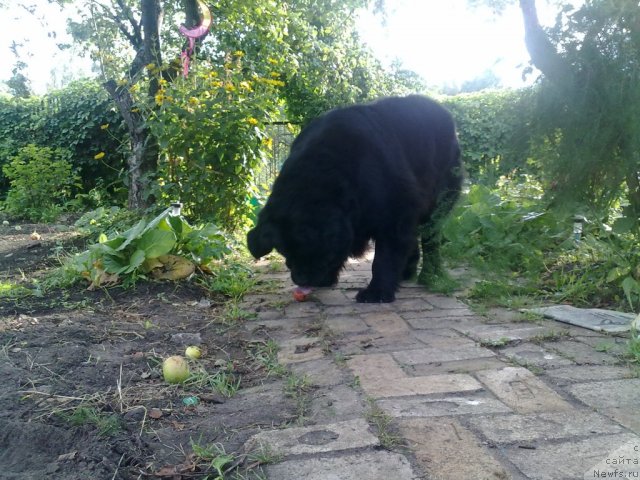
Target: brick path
(426, 389)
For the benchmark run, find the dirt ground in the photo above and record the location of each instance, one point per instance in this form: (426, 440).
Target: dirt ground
(81, 388)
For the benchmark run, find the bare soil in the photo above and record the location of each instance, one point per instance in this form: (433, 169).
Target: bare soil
(81, 389)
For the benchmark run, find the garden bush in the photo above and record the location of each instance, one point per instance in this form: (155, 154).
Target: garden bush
(41, 179)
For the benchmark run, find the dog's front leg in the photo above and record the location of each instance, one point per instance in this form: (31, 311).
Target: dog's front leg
(386, 270)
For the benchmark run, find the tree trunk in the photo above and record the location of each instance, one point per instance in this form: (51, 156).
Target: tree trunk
(542, 52)
(143, 159)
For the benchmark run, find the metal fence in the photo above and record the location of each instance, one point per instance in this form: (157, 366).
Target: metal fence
(282, 135)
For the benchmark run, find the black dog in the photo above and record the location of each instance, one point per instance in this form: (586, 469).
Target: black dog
(386, 171)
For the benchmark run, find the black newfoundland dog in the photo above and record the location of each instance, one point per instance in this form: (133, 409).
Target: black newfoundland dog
(387, 171)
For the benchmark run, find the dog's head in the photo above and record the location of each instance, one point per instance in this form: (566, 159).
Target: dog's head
(314, 240)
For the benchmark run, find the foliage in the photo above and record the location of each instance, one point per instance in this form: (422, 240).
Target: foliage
(79, 118)
(603, 269)
(210, 129)
(525, 249)
(41, 180)
(492, 128)
(107, 221)
(506, 228)
(145, 247)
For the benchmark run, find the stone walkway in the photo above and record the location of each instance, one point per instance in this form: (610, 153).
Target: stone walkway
(424, 388)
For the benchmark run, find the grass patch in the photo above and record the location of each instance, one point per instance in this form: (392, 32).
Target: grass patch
(382, 423)
(107, 424)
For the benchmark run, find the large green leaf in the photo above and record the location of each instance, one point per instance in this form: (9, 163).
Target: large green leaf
(156, 242)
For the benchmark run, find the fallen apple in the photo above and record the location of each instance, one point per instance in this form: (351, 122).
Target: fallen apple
(193, 352)
(175, 369)
(301, 293)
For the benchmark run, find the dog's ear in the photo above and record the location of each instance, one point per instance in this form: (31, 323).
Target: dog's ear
(261, 239)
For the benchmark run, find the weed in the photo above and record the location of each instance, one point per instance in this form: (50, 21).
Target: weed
(107, 425)
(266, 354)
(212, 456)
(633, 350)
(340, 359)
(232, 279)
(265, 455)
(382, 424)
(604, 347)
(222, 382)
(233, 313)
(297, 387)
(549, 336)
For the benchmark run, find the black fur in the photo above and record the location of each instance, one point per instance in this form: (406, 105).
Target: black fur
(386, 171)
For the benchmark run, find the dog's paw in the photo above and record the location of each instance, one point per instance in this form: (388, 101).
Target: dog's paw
(369, 295)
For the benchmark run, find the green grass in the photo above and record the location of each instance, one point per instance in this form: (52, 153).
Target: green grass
(222, 382)
(633, 349)
(266, 354)
(382, 423)
(106, 424)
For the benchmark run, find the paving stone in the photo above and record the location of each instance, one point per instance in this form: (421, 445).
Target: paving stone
(460, 366)
(542, 426)
(619, 399)
(444, 302)
(341, 324)
(533, 355)
(589, 373)
(381, 366)
(341, 402)
(447, 450)
(568, 460)
(421, 321)
(378, 465)
(623, 462)
(505, 331)
(386, 323)
(454, 350)
(441, 406)
(592, 318)
(374, 343)
(415, 304)
(380, 376)
(315, 439)
(606, 344)
(300, 350)
(328, 296)
(521, 390)
(581, 353)
(323, 372)
(302, 310)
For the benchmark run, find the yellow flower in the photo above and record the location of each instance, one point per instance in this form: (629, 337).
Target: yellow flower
(272, 61)
(150, 66)
(194, 101)
(275, 74)
(268, 142)
(239, 53)
(252, 121)
(104, 127)
(159, 98)
(229, 87)
(246, 85)
(98, 156)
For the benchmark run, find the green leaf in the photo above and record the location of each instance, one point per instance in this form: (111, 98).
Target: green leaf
(133, 233)
(135, 261)
(630, 286)
(617, 272)
(156, 242)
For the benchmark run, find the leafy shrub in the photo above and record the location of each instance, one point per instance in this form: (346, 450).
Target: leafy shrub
(41, 180)
(603, 269)
(211, 132)
(505, 228)
(146, 246)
